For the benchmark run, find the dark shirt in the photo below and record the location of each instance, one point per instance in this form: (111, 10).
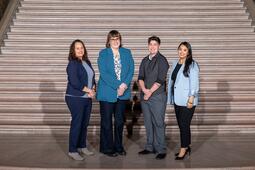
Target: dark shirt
(174, 74)
(154, 70)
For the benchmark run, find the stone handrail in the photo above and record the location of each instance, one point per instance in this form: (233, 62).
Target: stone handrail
(7, 18)
(250, 5)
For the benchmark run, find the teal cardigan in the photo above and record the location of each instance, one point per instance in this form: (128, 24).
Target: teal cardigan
(108, 82)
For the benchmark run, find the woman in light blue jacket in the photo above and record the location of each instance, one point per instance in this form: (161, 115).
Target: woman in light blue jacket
(183, 88)
(116, 68)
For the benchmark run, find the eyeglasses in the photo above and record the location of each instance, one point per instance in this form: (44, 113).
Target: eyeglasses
(115, 39)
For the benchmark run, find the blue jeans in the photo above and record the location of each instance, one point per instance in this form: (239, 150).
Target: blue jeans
(108, 142)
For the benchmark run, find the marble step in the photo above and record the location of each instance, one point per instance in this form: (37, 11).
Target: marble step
(170, 120)
(66, 38)
(46, 76)
(131, 18)
(171, 54)
(138, 43)
(132, 7)
(57, 86)
(170, 129)
(134, 1)
(244, 26)
(166, 50)
(221, 94)
(65, 33)
(242, 107)
(57, 70)
(62, 62)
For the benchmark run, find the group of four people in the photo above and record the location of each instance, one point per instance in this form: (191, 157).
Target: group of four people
(116, 68)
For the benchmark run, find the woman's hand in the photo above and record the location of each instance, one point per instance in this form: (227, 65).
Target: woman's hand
(91, 93)
(122, 88)
(120, 91)
(190, 102)
(189, 105)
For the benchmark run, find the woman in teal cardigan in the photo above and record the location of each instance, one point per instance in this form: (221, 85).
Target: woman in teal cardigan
(116, 68)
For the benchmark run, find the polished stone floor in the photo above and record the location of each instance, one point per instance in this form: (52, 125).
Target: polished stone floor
(229, 151)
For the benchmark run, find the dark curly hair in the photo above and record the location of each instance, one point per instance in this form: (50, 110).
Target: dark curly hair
(72, 56)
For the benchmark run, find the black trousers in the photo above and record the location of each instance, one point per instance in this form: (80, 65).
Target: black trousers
(109, 141)
(184, 116)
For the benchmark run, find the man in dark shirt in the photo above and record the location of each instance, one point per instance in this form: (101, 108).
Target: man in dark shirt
(152, 80)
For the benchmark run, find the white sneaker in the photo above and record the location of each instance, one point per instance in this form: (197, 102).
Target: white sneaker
(85, 151)
(76, 156)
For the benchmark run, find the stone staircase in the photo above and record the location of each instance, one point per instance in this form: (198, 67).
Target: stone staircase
(34, 58)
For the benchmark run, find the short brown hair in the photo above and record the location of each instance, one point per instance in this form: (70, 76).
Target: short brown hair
(111, 34)
(154, 38)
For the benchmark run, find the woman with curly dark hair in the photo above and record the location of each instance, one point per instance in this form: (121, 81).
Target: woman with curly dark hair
(79, 93)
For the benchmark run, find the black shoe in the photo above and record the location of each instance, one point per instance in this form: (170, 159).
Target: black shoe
(187, 151)
(145, 152)
(122, 153)
(111, 154)
(161, 156)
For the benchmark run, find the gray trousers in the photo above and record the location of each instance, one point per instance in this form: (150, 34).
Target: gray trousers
(154, 120)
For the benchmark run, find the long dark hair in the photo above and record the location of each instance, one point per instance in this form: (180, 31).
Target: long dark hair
(189, 60)
(72, 56)
(113, 34)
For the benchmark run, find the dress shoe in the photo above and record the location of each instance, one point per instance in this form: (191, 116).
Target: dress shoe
(189, 148)
(187, 151)
(111, 154)
(145, 152)
(161, 156)
(122, 153)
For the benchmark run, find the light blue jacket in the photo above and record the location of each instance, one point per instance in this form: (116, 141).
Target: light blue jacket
(184, 86)
(108, 82)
